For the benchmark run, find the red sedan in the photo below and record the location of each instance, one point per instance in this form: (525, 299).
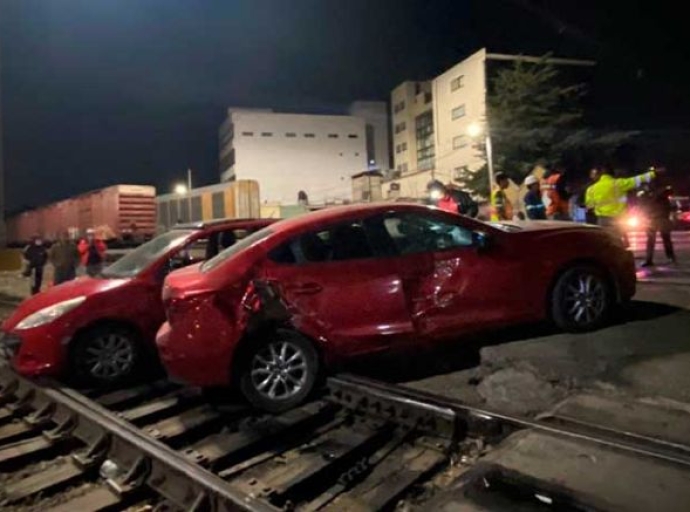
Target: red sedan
(294, 298)
(101, 330)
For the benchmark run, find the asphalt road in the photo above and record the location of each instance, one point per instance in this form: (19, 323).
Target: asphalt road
(645, 353)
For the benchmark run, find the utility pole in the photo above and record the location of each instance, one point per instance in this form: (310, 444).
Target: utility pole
(3, 229)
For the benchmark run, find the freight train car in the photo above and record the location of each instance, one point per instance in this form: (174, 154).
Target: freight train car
(117, 212)
(237, 200)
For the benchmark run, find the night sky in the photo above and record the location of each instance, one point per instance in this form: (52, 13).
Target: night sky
(98, 92)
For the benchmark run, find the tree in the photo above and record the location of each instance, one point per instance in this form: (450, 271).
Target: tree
(533, 116)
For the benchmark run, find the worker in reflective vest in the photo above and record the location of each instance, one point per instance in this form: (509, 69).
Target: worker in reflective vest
(555, 199)
(501, 207)
(607, 196)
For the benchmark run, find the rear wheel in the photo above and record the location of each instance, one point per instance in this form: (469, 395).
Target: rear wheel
(106, 355)
(582, 299)
(279, 373)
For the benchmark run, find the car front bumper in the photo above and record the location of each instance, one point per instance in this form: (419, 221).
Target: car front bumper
(34, 352)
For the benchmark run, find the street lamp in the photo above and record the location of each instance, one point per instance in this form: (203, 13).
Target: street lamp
(185, 190)
(475, 130)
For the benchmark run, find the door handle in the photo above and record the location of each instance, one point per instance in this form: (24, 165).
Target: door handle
(306, 288)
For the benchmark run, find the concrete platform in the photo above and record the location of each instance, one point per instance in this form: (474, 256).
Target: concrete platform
(569, 475)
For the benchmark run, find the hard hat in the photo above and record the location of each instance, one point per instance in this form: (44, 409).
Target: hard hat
(531, 180)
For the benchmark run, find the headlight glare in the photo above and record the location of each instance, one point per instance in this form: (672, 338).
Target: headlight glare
(49, 314)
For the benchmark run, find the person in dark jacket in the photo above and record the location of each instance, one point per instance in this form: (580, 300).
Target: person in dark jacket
(64, 256)
(534, 204)
(36, 256)
(656, 202)
(452, 200)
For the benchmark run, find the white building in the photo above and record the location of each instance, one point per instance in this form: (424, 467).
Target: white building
(290, 153)
(430, 127)
(375, 115)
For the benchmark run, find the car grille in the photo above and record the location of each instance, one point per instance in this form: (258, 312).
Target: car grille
(9, 344)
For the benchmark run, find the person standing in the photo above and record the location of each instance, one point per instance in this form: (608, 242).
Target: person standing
(607, 197)
(556, 195)
(534, 204)
(64, 257)
(501, 207)
(36, 256)
(452, 200)
(92, 251)
(657, 205)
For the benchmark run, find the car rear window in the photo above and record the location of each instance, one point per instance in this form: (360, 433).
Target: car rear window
(235, 249)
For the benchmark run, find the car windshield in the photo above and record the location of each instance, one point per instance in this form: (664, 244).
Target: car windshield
(235, 249)
(140, 258)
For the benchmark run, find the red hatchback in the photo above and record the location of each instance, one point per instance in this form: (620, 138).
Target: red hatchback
(101, 329)
(271, 313)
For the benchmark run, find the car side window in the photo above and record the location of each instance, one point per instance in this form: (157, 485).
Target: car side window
(414, 233)
(342, 242)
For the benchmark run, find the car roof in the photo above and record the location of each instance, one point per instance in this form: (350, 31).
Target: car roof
(336, 213)
(219, 224)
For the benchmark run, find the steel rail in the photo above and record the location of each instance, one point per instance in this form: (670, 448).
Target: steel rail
(482, 422)
(164, 470)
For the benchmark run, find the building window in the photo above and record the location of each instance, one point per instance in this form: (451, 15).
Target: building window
(400, 127)
(426, 150)
(457, 83)
(427, 97)
(404, 146)
(291, 134)
(459, 142)
(404, 168)
(332, 135)
(309, 135)
(356, 154)
(399, 107)
(458, 112)
(267, 134)
(401, 147)
(247, 134)
(353, 136)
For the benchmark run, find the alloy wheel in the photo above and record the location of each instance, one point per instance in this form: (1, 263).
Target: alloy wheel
(109, 356)
(279, 371)
(585, 298)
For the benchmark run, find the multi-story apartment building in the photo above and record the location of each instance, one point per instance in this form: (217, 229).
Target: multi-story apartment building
(412, 128)
(431, 127)
(293, 153)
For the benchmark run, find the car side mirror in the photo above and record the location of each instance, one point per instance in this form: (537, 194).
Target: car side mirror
(481, 240)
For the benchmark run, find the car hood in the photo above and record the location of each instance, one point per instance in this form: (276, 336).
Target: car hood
(551, 225)
(84, 286)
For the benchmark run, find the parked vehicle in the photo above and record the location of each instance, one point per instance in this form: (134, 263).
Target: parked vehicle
(101, 330)
(305, 293)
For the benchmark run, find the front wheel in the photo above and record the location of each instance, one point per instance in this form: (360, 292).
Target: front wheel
(582, 299)
(106, 356)
(279, 373)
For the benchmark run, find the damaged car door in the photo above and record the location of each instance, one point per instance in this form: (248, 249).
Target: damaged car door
(339, 290)
(451, 284)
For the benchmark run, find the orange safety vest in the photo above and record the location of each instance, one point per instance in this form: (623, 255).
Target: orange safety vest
(554, 202)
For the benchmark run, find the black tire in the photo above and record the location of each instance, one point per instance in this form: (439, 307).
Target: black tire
(582, 299)
(107, 355)
(290, 376)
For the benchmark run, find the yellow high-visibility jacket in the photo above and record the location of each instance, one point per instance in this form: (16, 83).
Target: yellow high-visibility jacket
(501, 207)
(607, 197)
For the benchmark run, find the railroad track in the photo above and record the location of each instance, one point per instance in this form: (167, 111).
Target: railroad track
(362, 446)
